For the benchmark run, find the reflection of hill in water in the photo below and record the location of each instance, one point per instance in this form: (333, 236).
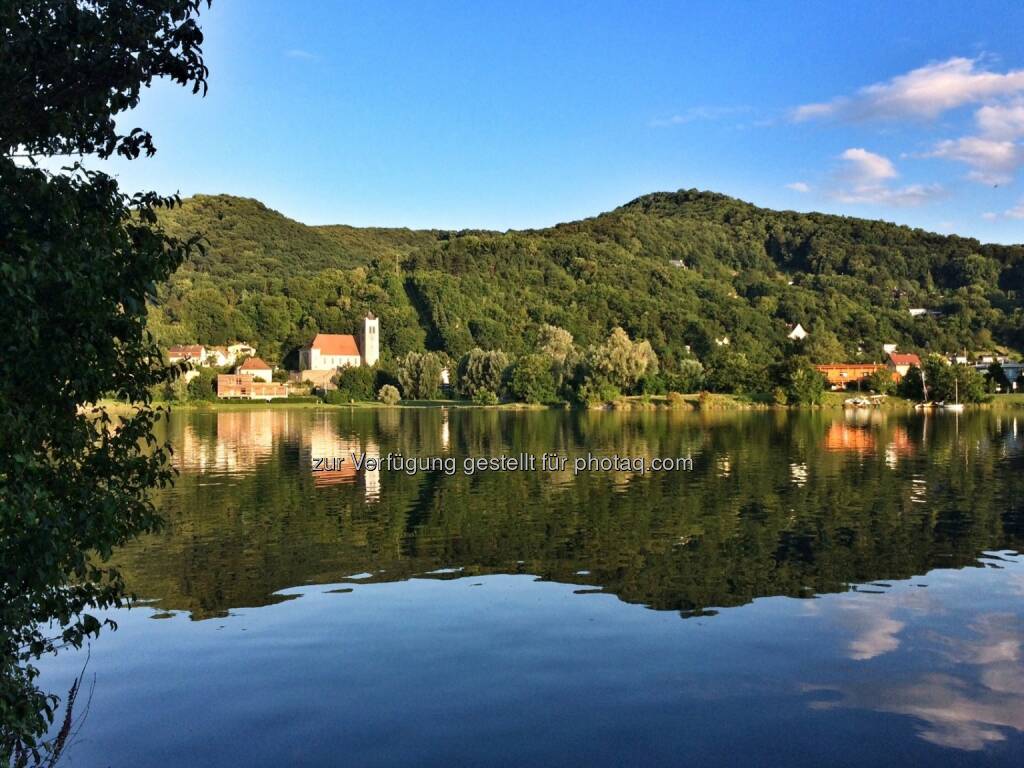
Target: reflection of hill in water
(777, 504)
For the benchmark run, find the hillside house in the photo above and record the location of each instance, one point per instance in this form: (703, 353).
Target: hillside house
(218, 356)
(240, 349)
(797, 333)
(195, 353)
(207, 356)
(257, 368)
(901, 362)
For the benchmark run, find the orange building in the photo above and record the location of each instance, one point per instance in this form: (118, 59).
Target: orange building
(248, 387)
(841, 375)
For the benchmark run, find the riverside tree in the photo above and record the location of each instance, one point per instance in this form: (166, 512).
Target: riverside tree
(78, 260)
(482, 370)
(419, 375)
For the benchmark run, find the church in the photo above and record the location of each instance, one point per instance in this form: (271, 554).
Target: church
(330, 351)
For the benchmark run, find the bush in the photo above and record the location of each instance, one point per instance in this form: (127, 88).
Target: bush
(802, 383)
(533, 380)
(779, 396)
(881, 382)
(388, 395)
(335, 397)
(688, 378)
(677, 402)
(485, 397)
(596, 392)
(204, 386)
(355, 382)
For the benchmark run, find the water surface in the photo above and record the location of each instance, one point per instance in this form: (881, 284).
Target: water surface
(820, 588)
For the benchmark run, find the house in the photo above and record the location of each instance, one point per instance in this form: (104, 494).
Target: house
(798, 333)
(248, 387)
(196, 353)
(257, 368)
(1014, 373)
(240, 349)
(888, 349)
(216, 356)
(901, 362)
(1011, 370)
(330, 351)
(841, 375)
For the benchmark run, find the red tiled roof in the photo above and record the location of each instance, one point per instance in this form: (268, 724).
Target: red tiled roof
(898, 358)
(336, 344)
(253, 362)
(185, 350)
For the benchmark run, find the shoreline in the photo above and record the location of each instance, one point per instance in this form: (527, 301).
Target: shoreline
(692, 402)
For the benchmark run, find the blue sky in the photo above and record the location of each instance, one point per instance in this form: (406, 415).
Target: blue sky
(512, 115)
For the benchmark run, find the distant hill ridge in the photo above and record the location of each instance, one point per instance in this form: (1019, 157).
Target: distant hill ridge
(685, 270)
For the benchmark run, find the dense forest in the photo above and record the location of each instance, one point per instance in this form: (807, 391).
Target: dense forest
(699, 275)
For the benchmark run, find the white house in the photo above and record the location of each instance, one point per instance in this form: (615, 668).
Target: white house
(201, 355)
(257, 368)
(330, 351)
(240, 349)
(798, 333)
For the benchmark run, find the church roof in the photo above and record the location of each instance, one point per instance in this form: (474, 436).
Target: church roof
(336, 344)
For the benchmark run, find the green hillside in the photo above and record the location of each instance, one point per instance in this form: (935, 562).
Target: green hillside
(681, 270)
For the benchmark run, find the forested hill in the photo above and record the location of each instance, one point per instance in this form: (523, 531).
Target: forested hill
(684, 270)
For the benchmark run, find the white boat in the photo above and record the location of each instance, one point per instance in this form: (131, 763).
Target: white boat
(957, 406)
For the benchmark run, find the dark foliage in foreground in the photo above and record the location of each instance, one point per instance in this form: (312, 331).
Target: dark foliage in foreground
(79, 263)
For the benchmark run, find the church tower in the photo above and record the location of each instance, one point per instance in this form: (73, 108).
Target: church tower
(371, 339)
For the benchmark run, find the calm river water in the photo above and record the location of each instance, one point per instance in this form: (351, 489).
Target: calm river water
(821, 588)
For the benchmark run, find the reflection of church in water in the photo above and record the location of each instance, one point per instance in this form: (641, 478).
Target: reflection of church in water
(324, 447)
(244, 440)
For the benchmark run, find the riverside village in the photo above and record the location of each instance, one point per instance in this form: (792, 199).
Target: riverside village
(241, 374)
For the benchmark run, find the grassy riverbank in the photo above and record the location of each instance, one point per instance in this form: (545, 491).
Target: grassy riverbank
(691, 401)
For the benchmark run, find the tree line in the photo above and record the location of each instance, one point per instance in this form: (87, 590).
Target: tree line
(705, 279)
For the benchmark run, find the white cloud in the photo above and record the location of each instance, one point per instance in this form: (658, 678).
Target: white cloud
(867, 167)
(992, 161)
(910, 196)
(799, 186)
(1001, 121)
(993, 153)
(864, 179)
(298, 53)
(694, 114)
(925, 92)
(1017, 212)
